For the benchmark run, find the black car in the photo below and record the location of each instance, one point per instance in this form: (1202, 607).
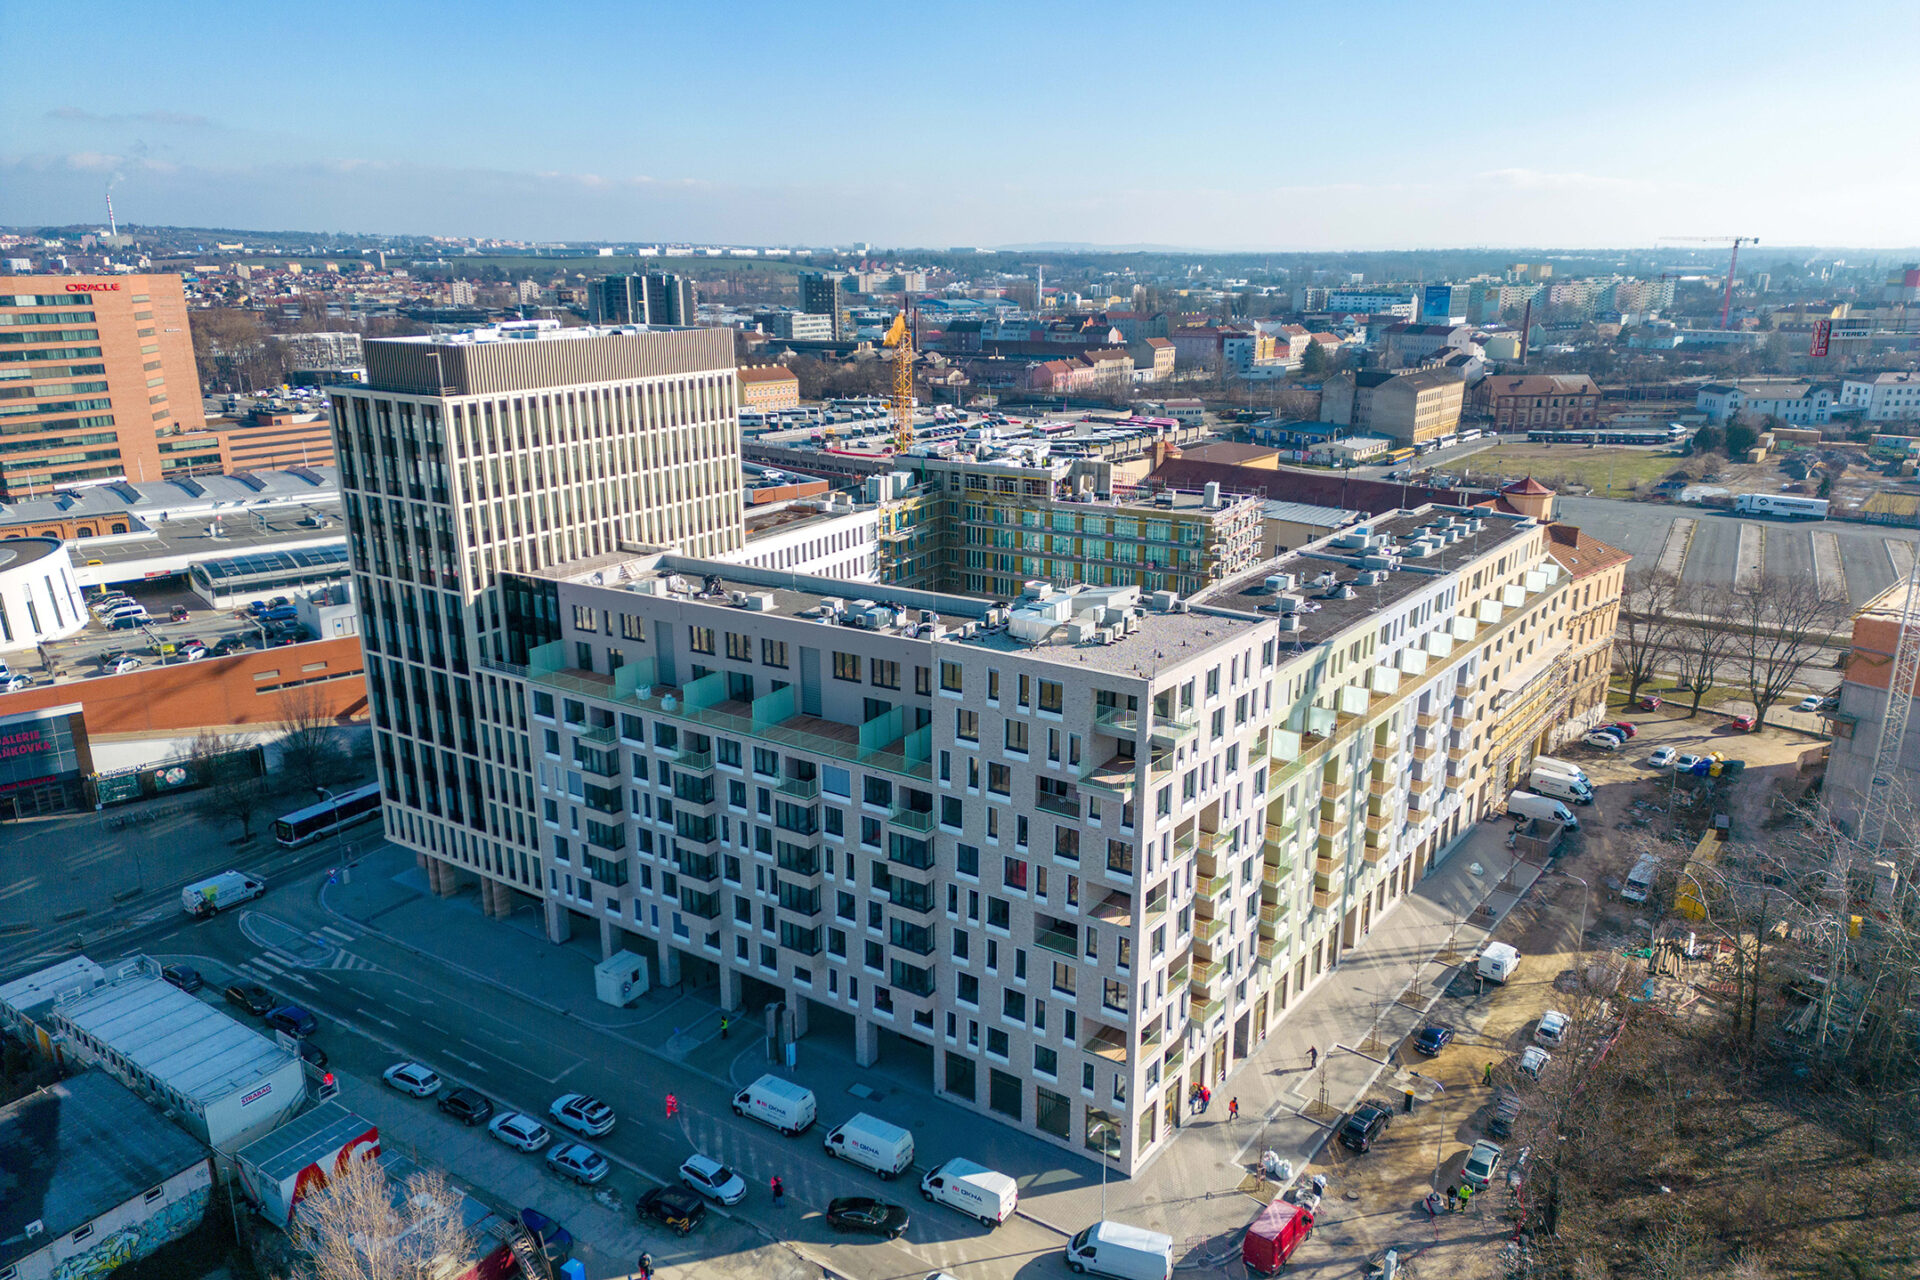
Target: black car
(313, 1053)
(675, 1208)
(183, 977)
(468, 1106)
(1433, 1038)
(255, 999)
(861, 1213)
(1363, 1126)
(293, 1020)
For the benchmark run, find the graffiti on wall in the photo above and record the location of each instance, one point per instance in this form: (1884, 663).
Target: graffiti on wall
(135, 1241)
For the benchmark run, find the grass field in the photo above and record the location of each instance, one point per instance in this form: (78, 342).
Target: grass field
(1574, 464)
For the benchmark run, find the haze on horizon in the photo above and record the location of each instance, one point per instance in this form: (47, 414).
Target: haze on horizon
(1295, 128)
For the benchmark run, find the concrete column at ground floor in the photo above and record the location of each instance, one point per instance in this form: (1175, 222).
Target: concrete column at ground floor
(496, 901)
(799, 1005)
(866, 1042)
(559, 923)
(609, 937)
(442, 878)
(669, 975)
(729, 988)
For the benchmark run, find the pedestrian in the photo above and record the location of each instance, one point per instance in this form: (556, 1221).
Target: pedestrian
(1233, 1108)
(1453, 1199)
(1486, 1077)
(646, 1267)
(673, 1106)
(1206, 1099)
(779, 1190)
(723, 1026)
(1466, 1194)
(1313, 1056)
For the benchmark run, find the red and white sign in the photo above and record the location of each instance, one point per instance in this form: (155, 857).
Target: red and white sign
(83, 286)
(1822, 335)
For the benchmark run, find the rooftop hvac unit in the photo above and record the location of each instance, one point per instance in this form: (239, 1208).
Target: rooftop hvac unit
(1292, 622)
(760, 602)
(928, 615)
(1342, 592)
(1080, 632)
(1163, 601)
(1380, 561)
(861, 606)
(1036, 589)
(1288, 604)
(1367, 578)
(1210, 493)
(832, 604)
(1278, 582)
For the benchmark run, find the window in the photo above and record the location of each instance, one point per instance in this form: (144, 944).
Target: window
(1046, 1061)
(998, 913)
(1063, 977)
(923, 681)
(1013, 1004)
(966, 725)
(773, 653)
(966, 989)
(950, 677)
(1052, 697)
(82, 1234)
(1025, 696)
(886, 674)
(996, 1042)
(543, 705)
(999, 779)
(632, 627)
(701, 639)
(1014, 874)
(739, 647)
(966, 859)
(993, 686)
(1016, 736)
(846, 666)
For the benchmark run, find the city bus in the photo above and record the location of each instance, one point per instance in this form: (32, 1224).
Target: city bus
(304, 826)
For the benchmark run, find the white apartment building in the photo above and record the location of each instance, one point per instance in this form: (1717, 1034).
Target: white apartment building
(829, 538)
(1885, 397)
(1085, 851)
(510, 448)
(1799, 404)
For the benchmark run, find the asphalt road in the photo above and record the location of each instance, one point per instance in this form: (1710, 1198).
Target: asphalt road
(379, 1003)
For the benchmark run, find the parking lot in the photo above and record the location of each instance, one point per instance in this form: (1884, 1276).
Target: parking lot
(158, 641)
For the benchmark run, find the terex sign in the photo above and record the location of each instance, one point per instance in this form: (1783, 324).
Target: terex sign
(81, 287)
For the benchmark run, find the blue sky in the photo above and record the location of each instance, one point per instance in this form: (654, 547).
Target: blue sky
(1279, 126)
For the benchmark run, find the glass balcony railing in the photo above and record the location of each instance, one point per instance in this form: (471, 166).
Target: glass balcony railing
(1118, 720)
(800, 788)
(912, 819)
(1062, 942)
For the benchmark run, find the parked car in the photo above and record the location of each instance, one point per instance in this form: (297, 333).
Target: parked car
(674, 1208)
(183, 977)
(313, 1053)
(1662, 757)
(1687, 760)
(468, 1106)
(1601, 741)
(1533, 1061)
(867, 1215)
(15, 681)
(1433, 1038)
(521, 1132)
(1621, 726)
(411, 1077)
(255, 999)
(582, 1114)
(293, 1020)
(712, 1179)
(1648, 702)
(1552, 1029)
(1482, 1160)
(1365, 1124)
(578, 1161)
(177, 614)
(120, 666)
(1741, 723)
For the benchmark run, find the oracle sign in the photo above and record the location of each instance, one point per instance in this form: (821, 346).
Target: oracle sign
(79, 287)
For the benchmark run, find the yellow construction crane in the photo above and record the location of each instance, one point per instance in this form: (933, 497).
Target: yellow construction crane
(900, 338)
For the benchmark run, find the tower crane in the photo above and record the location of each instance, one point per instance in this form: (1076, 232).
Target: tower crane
(1878, 807)
(1726, 301)
(900, 338)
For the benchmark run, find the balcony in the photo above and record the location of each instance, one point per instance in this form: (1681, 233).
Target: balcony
(1332, 830)
(1062, 942)
(1172, 730)
(1278, 836)
(1382, 787)
(1177, 976)
(1271, 914)
(696, 866)
(1185, 843)
(1427, 719)
(1213, 888)
(704, 905)
(799, 859)
(1175, 1059)
(1205, 973)
(1272, 948)
(1206, 1013)
(1208, 932)
(1336, 791)
(1374, 854)
(912, 819)
(601, 764)
(702, 835)
(1062, 806)
(1379, 820)
(1425, 752)
(694, 762)
(799, 788)
(1121, 721)
(1325, 898)
(1277, 873)
(601, 734)
(1115, 778)
(1386, 752)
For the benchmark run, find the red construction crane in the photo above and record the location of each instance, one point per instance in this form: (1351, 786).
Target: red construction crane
(1726, 301)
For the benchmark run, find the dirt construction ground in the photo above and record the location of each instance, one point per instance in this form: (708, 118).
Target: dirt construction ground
(1375, 1200)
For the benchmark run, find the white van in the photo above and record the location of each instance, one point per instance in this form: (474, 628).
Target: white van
(217, 893)
(1497, 962)
(1565, 768)
(1557, 785)
(1525, 804)
(1116, 1249)
(973, 1189)
(780, 1103)
(1639, 884)
(872, 1143)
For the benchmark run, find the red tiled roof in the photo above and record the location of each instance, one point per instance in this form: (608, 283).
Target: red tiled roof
(1529, 488)
(1580, 554)
(766, 373)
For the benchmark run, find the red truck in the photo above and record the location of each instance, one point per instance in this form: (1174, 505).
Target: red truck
(1275, 1234)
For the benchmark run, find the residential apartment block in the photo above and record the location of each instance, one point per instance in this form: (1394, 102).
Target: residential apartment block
(656, 298)
(99, 383)
(1083, 850)
(1796, 403)
(508, 449)
(1884, 397)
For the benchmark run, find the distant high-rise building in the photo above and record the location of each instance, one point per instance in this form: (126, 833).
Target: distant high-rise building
(658, 297)
(820, 296)
(100, 382)
(516, 447)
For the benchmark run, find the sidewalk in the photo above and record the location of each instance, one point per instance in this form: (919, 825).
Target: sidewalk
(1193, 1191)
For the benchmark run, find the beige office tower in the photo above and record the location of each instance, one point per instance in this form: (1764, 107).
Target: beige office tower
(515, 447)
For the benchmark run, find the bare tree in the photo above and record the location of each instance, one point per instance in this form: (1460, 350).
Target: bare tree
(310, 749)
(1703, 644)
(1780, 625)
(1645, 633)
(230, 788)
(360, 1226)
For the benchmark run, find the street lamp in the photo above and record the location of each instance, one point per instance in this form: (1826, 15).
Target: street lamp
(1103, 1165)
(1439, 1125)
(1580, 939)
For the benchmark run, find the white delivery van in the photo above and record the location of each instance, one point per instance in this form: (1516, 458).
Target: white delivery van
(973, 1189)
(872, 1143)
(1116, 1249)
(1639, 884)
(1497, 962)
(1560, 787)
(217, 893)
(1525, 804)
(781, 1103)
(1566, 768)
